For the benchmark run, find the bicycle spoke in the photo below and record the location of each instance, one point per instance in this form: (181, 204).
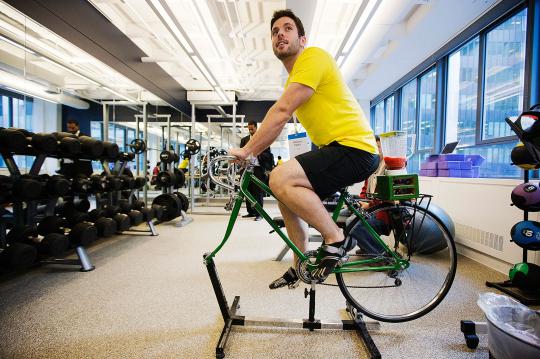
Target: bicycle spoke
(407, 293)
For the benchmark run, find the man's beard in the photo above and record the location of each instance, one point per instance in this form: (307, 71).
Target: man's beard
(291, 51)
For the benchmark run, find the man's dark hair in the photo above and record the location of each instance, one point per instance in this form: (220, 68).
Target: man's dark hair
(377, 138)
(288, 13)
(74, 122)
(252, 123)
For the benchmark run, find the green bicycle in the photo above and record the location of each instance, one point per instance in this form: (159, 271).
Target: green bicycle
(393, 282)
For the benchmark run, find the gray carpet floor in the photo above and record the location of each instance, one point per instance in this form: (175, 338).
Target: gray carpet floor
(151, 297)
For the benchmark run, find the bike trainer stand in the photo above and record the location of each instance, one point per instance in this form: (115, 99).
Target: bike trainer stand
(231, 318)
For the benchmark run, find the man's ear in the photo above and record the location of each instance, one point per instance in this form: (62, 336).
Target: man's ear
(303, 41)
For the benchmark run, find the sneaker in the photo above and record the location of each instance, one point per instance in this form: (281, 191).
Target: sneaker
(257, 218)
(290, 279)
(248, 215)
(331, 256)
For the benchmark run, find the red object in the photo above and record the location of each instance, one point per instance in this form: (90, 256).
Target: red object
(395, 163)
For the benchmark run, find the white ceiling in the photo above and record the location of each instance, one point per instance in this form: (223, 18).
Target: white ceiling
(224, 45)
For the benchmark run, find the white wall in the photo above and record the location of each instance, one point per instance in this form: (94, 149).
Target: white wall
(483, 216)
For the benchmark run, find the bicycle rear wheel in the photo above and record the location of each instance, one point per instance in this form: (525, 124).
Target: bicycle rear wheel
(405, 294)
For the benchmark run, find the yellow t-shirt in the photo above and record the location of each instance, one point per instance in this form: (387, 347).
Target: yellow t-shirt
(332, 113)
(184, 164)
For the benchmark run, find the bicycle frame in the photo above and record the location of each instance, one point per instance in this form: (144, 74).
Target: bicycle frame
(344, 199)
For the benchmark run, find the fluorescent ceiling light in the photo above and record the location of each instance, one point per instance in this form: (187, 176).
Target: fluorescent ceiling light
(171, 23)
(204, 71)
(360, 24)
(28, 94)
(119, 94)
(340, 60)
(70, 70)
(16, 44)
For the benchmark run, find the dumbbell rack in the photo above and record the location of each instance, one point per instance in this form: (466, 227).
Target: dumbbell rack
(114, 196)
(29, 215)
(173, 204)
(525, 297)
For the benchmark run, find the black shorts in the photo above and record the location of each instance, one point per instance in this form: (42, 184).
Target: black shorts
(333, 167)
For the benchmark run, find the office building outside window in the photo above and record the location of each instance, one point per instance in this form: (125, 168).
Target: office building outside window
(427, 105)
(462, 90)
(408, 113)
(504, 75)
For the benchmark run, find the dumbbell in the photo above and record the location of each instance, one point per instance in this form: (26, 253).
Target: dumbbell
(110, 151)
(136, 217)
(51, 244)
(140, 182)
(128, 182)
(69, 208)
(24, 188)
(98, 184)
(126, 156)
(80, 234)
(171, 206)
(168, 157)
(147, 212)
(38, 142)
(13, 140)
(55, 186)
(112, 183)
(184, 200)
(122, 220)
(18, 255)
(168, 179)
(90, 147)
(41, 142)
(69, 146)
(137, 205)
(81, 184)
(158, 211)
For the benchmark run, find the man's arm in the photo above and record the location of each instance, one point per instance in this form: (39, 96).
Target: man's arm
(277, 116)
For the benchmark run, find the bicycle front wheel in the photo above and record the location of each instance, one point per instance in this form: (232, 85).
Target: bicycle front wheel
(408, 293)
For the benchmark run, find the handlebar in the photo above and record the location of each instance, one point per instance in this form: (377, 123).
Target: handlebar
(231, 172)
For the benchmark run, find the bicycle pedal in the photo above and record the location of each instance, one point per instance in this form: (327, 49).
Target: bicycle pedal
(343, 259)
(293, 285)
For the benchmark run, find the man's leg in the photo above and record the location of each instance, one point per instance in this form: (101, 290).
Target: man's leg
(297, 228)
(291, 186)
(298, 203)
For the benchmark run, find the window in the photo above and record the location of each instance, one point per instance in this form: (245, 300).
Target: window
(504, 75)
(389, 114)
(497, 162)
(462, 90)
(408, 112)
(130, 135)
(96, 130)
(426, 114)
(379, 118)
(119, 137)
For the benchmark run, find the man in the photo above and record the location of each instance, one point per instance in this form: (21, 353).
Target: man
(279, 161)
(335, 122)
(76, 167)
(263, 163)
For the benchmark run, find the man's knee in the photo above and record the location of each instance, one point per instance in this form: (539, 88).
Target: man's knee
(276, 180)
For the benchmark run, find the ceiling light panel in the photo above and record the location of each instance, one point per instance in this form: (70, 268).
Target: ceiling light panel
(49, 56)
(225, 43)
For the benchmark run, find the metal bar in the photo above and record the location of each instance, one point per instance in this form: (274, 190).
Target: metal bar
(145, 153)
(105, 122)
(218, 289)
(192, 164)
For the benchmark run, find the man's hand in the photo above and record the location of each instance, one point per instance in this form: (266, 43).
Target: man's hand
(239, 153)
